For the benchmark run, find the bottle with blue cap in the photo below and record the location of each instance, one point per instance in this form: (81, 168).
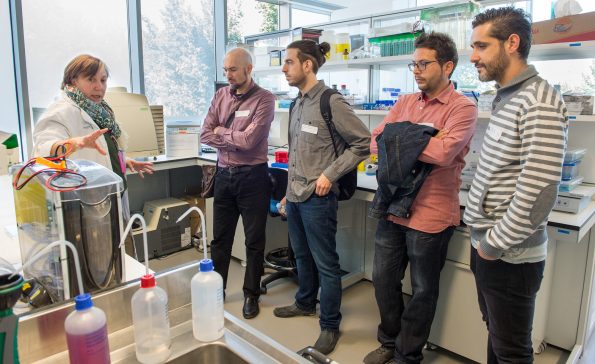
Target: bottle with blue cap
(207, 303)
(86, 333)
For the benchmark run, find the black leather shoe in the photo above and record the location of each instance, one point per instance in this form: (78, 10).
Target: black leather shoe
(327, 340)
(250, 309)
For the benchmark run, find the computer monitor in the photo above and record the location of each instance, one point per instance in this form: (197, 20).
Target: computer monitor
(133, 114)
(220, 84)
(279, 129)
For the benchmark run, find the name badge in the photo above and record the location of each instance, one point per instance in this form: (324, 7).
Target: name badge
(242, 113)
(427, 124)
(494, 132)
(309, 129)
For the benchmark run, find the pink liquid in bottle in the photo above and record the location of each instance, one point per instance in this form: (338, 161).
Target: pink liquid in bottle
(91, 348)
(86, 333)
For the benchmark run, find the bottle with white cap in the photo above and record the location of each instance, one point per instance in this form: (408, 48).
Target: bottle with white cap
(207, 303)
(151, 322)
(86, 333)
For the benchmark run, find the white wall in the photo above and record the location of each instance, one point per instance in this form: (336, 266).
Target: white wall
(359, 8)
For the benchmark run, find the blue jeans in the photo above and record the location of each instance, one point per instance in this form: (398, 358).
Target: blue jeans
(406, 328)
(506, 294)
(312, 227)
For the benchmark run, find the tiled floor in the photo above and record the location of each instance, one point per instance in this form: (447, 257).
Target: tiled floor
(360, 318)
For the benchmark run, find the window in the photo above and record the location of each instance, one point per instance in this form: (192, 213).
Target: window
(57, 31)
(302, 18)
(179, 56)
(248, 17)
(9, 121)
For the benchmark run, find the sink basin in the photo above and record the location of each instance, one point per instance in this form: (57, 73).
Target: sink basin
(43, 334)
(211, 353)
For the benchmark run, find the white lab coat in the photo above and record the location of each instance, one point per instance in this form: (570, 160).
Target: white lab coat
(64, 120)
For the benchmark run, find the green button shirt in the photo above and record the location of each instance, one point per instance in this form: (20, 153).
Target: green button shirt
(311, 150)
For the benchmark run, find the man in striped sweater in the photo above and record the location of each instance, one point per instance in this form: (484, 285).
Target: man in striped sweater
(516, 183)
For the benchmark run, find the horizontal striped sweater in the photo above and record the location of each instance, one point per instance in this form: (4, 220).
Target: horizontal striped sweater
(519, 169)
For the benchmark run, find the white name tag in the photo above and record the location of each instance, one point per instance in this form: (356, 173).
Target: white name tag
(495, 132)
(309, 129)
(242, 113)
(427, 124)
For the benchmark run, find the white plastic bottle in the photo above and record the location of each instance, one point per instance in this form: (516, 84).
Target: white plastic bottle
(86, 333)
(207, 303)
(329, 37)
(150, 322)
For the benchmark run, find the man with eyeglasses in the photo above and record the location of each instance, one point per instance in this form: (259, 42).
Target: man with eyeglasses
(421, 240)
(237, 125)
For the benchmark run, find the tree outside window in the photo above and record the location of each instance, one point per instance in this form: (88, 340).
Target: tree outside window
(179, 56)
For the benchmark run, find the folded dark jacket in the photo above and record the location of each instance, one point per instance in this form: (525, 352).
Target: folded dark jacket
(400, 175)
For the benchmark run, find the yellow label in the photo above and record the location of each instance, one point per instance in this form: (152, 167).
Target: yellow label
(341, 47)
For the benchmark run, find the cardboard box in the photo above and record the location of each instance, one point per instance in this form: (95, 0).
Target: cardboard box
(194, 216)
(573, 28)
(305, 33)
(579, 104)
(275, 58)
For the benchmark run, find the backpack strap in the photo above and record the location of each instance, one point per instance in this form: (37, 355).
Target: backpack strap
(289, 119)
(292, 105)
(325, 110)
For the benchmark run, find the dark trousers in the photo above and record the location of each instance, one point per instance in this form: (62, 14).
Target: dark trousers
(245, 193)
(312, 227)
(506, 294)
(407, 328)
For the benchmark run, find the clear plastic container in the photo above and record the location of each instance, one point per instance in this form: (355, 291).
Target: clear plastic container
(574, 155)
(329, 37)
(150, 322)
(567, 186)
(570, 170)
(342, 44)
(86, 333)
(207, 303)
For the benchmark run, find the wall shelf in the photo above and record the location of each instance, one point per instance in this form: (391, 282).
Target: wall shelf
(539, 52)
(482, 115)
(357, 111)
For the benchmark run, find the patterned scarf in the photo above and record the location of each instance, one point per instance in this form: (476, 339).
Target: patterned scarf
(101, 113)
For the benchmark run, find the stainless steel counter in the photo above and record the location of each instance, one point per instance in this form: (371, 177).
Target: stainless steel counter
(42, 339)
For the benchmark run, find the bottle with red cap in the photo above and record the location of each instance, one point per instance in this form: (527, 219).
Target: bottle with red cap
(150, 322)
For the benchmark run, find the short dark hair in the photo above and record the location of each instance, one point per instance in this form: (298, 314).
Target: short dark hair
(84, 65)
(309, 49)
(506, 21)
(445, 47)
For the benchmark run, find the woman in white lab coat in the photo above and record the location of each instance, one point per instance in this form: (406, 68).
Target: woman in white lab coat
(83, 122)
(83, 125)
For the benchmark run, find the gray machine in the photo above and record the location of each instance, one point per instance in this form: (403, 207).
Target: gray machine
(88, 216)
(164, 236)
(576, 200)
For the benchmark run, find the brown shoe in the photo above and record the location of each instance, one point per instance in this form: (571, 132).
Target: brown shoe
(327, 340)
(292, 311)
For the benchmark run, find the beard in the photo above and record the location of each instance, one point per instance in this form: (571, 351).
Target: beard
(235, 85)
(297, 81)
(495, 69)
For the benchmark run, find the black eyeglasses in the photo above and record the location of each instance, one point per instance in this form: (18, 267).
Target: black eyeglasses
(421, 65)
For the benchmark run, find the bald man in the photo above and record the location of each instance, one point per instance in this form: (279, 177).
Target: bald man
(237, 125)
